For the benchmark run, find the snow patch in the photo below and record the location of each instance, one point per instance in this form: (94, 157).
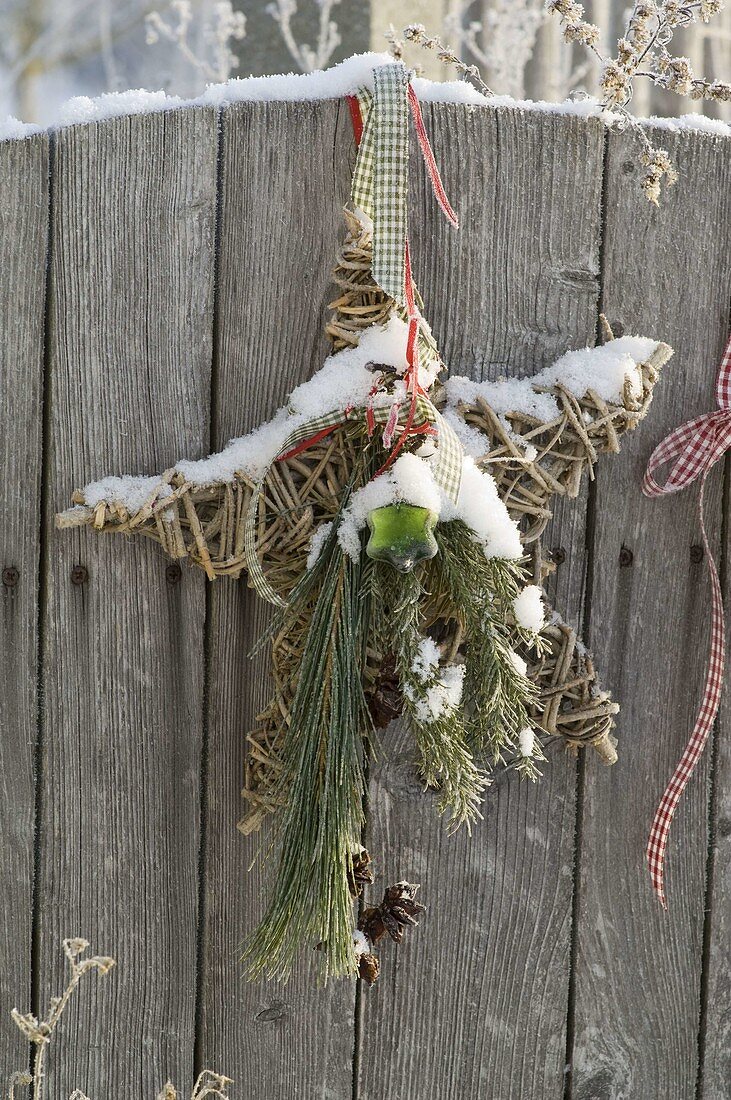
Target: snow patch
(603, 369)
(360, 943)
(528, 608)
(411, 481)
(442, 686)
(334, 83)
(318, 540)
(482, 510)
(129, 491)
(518, 663)
(250, 454)
(695, 123)
(11, 129)
(345, 379)
(527, 741)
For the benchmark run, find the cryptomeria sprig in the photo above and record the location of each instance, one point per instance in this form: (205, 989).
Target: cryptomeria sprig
(445, 761)
(496, 693)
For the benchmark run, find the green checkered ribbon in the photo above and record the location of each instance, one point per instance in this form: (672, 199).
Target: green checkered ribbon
(447, 472)
(380, 179)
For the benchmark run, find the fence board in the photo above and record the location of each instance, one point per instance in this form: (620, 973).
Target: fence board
(23, 246)
(716, 1020)
(280, 223)
(639, 971)
(130, 348)
(142, 761)
(476, 1001)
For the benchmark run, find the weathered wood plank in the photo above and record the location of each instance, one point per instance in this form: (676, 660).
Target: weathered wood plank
(130, 343)
(23, 247)
(285, 176)
(639, 970)
(715, 1066)
(475, 1002)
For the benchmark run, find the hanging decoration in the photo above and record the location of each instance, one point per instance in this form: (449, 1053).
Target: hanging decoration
(393, 520)
(696, 447)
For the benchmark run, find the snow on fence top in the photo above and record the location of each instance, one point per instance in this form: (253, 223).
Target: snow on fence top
(334, 83)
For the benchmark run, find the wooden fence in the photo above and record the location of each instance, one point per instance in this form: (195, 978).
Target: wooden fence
(163, 286)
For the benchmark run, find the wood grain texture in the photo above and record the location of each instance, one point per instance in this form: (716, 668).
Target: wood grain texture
(475, 1002)
(715, 1075)
(146, 707)
(130, 342)
(285, 176)
(23, 248)
(638, 975)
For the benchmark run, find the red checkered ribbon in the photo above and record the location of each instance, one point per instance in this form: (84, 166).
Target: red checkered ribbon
(695, 447)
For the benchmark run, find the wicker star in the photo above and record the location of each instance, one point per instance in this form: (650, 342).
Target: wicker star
(530, 460)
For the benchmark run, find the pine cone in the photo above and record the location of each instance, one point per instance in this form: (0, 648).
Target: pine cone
(397, 911)
(369, 967)
(359, 873)
(384, 701)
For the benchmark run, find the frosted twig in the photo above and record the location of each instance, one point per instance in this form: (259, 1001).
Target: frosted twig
(40, 1032)
(225, 24)
(416, 33)
(208, 1084)
(328, 36)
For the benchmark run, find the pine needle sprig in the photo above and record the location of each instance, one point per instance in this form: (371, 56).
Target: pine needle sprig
(323, 785)
(446, 762)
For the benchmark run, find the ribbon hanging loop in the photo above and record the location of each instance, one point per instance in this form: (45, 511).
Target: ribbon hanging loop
(696, 447)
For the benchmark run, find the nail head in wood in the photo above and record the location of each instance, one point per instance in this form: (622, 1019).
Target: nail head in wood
(173, 573)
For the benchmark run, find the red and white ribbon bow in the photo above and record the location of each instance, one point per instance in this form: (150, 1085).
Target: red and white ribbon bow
(696, 447)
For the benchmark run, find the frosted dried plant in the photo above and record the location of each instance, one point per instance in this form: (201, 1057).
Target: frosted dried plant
(643, 50)
(328, 35)
(40, 1032)
(220, 26)
(208, 1084)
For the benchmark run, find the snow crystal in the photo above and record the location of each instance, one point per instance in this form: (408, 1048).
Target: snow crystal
(318, 540)
(482, 510)
(518, 663)
(340, 80)
(136, 101)
(361, 944)
(527, 741)
(345, 380)
(426, 659)
(442, 686)
(700, 124)
(528, 608)
(11, 129)
(130, 491)
(251, 454)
